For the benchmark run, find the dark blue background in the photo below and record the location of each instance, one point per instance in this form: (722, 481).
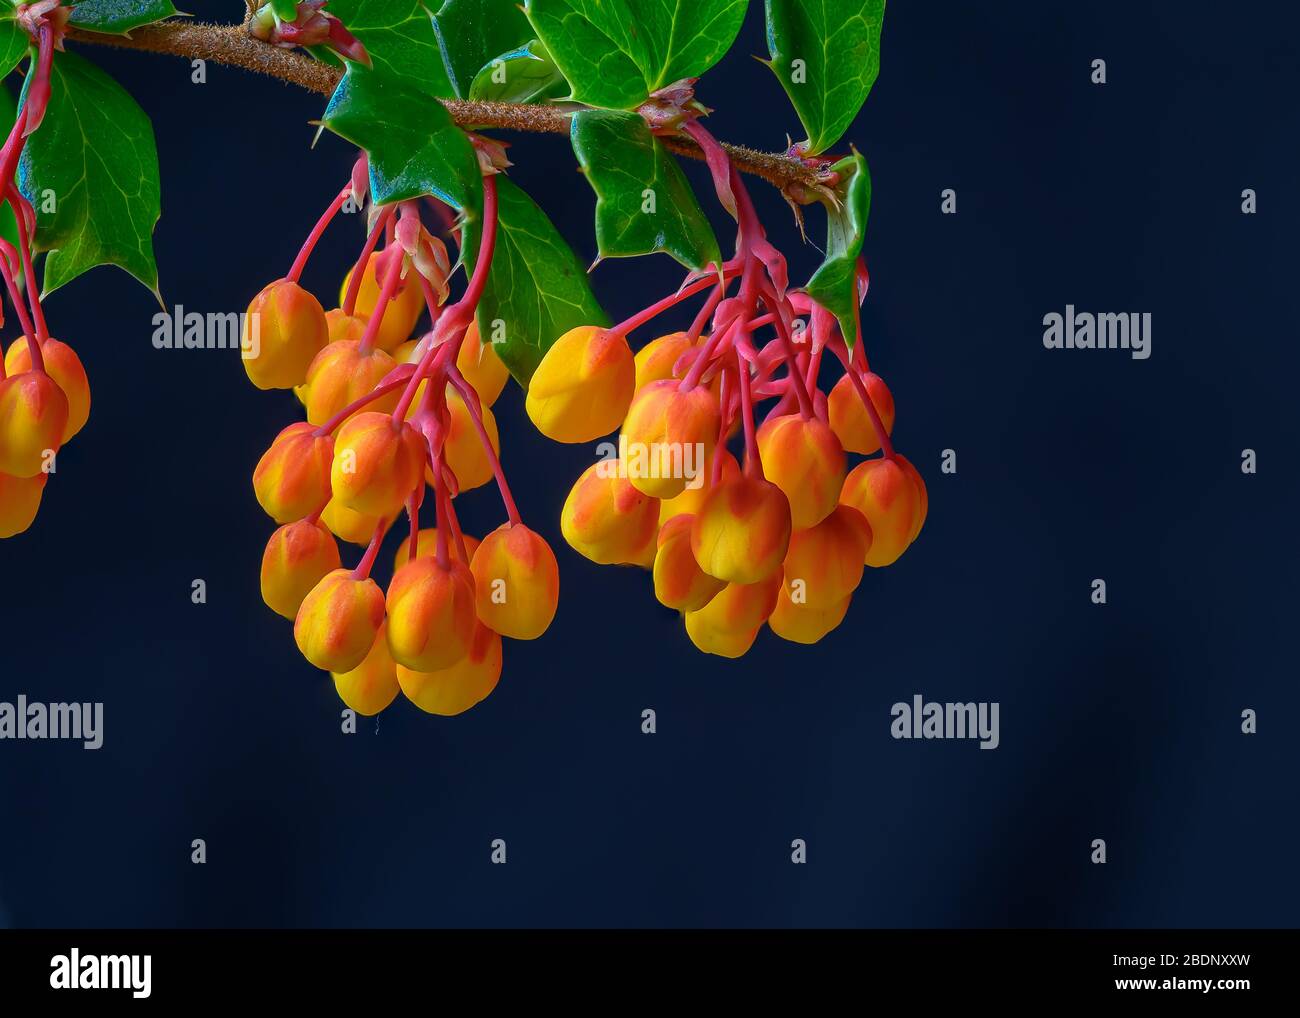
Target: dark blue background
(1120, 722)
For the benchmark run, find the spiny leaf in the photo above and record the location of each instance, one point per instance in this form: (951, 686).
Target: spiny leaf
(644, 203)
(835, 283)
(525, 75)
(473, 32)
(826, 54)
(614, 53)
(117, 17)
(536, 290)
(91, 172)
(414, 147)
(399, 36)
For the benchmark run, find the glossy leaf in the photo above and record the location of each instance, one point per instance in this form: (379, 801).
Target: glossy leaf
(14, 43)
(473, 32)
(8, 111)
(285, 10)
(414, 147)
(117, 17)
(91, 172)
(835, 284)
(399, 36)
(614, 53)
(643, 201)
(537, 289)
(826, 54)
(525, 75)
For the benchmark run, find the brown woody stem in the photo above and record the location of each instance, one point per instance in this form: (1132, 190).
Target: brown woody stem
(232, 45)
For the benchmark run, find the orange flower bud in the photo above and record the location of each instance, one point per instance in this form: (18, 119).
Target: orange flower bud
(805, 460)
(883, 491)
(33, 416)
(728, 624)
(372, 685)
(404, 353)
(667, 435)
(20, 498)
(377, 464)
(428, 545)
(690, 500)
(923, 496)
(824, 564)
(430, 613)
(402, 312)
(457, 688)
(481, 367)
(463, 450)
(290, 330)
(806, 623)
(343, 327)
(655, 360)
(292, 479)
(64, 366)
(516, 582)
(582, 388)
(341, 374)
(607, 520)
(709, 639)
(338, 621)
(849, 418)
(348, 524)
(680, 583)
(297, 557)
(742, 530)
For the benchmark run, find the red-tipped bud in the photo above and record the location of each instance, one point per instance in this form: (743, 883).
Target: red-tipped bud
(430, 614)
(292, 479)
(458, 687)
(742, 530)
(297, 557)
(680, 583)
(806, 461)
(338, 621)
(378, 462)
(516, 582)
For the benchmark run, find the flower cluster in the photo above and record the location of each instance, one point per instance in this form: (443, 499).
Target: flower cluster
(781, 537)
(392, 421)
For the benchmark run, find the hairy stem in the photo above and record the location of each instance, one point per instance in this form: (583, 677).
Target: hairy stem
(232, 45)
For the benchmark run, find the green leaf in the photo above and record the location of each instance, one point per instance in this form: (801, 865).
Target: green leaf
(8, 113)
(285, 10)
(473, 32)
(399, 36)
(536, 290)
(414, 146)
(526, 75)
(91, 172)
(616, 52)
(14, 43)
(643, 202)
(826, 54)
(117, 17)
(834, 284)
